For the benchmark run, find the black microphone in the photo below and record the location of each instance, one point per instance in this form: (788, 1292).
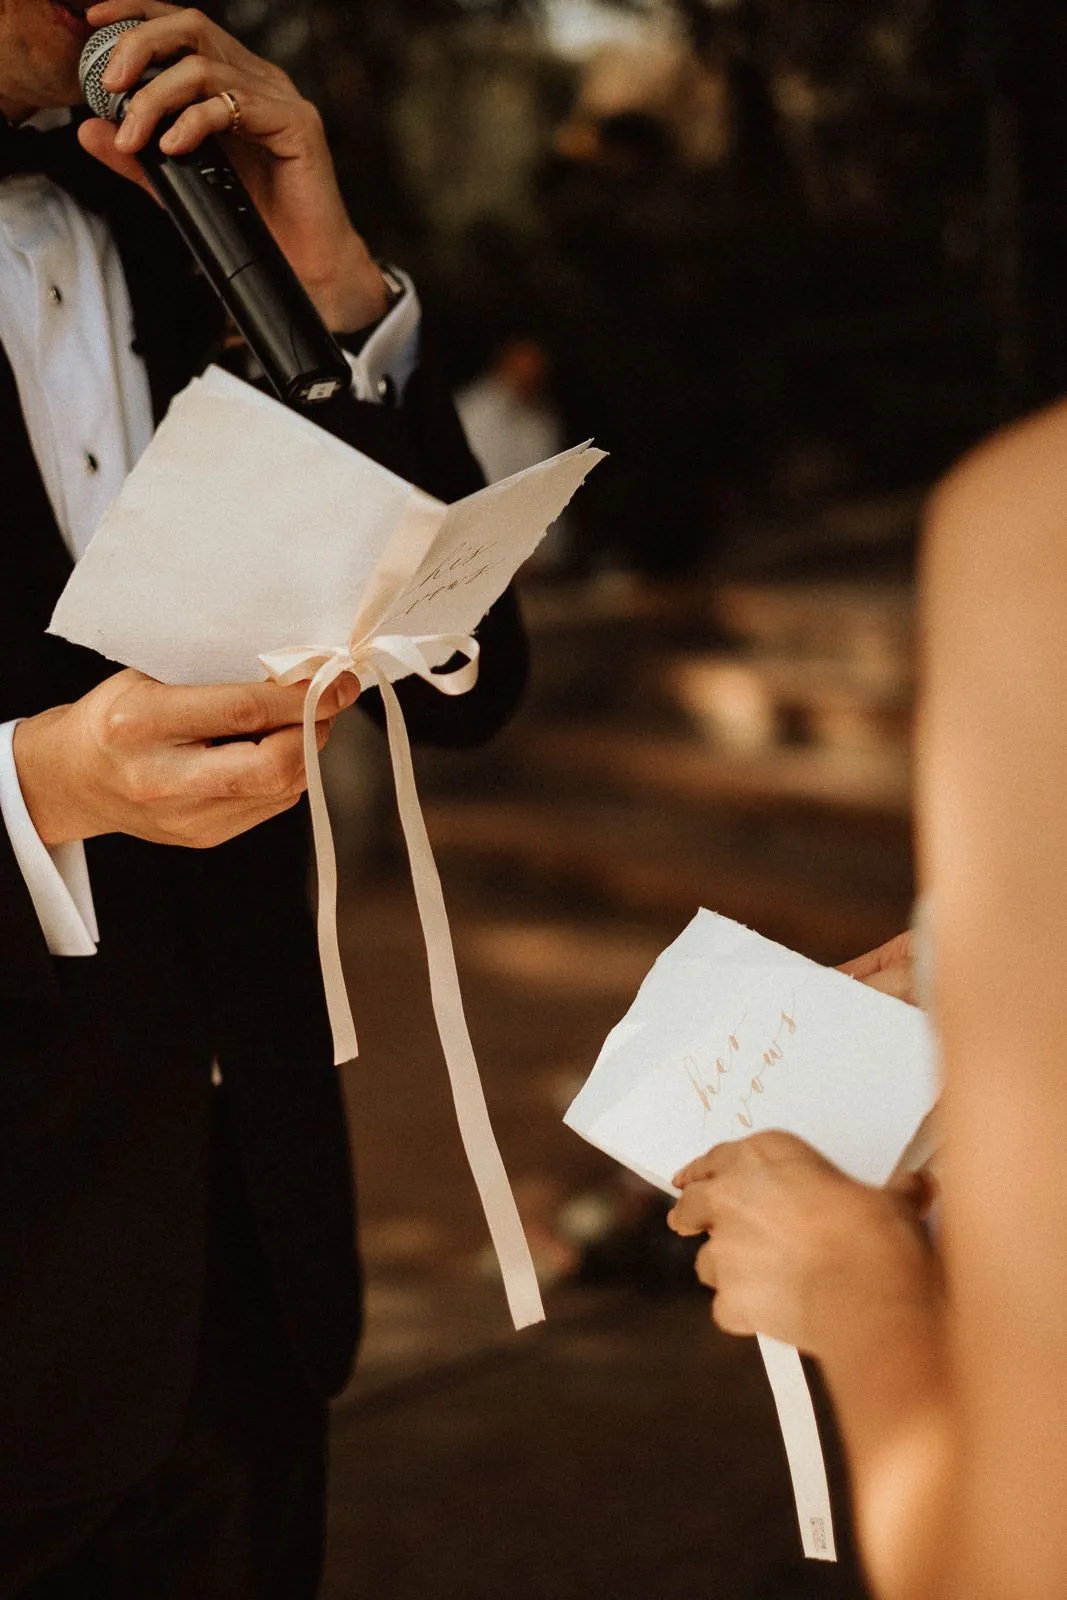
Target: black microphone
(235, 249)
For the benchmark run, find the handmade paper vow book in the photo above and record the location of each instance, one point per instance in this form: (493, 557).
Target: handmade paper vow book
(249, 543)
(732, 1034)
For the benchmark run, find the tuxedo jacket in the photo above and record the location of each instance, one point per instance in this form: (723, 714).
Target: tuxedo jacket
(205, 956)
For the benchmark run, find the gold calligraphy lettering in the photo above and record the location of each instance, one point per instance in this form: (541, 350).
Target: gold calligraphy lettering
(774, 1053)
(704, 1088)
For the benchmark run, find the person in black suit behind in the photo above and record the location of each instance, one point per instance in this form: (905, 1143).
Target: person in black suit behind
(179, 1290)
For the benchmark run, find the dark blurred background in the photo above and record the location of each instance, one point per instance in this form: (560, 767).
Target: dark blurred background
(773, 249)
(785, 260)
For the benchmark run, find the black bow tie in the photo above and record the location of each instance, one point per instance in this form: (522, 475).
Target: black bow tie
(55, 154)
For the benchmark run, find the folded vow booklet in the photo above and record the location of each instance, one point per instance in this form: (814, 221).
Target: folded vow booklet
(731, 1034)
(248, 543)
(245, 530)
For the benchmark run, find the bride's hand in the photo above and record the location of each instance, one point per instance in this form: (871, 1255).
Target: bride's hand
(890, 968)
(795, 1246)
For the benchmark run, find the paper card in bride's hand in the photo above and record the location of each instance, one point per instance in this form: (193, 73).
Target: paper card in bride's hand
(245, 529)
(732, 1034)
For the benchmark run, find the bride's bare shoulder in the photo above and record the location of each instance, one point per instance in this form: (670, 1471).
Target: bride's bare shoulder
(1000, 515)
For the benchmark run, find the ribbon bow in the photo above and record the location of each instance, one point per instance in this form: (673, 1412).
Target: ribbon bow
(373, 661)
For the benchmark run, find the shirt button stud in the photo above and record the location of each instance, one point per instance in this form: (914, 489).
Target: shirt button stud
(55, 295)
(92, 465)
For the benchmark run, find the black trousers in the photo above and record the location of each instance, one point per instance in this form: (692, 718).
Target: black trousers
(236, 1510)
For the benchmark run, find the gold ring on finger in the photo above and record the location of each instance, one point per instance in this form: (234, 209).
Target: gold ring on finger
(229, 99)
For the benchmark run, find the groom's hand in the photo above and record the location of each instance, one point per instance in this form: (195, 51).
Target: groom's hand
(279, 148)
(138, 757)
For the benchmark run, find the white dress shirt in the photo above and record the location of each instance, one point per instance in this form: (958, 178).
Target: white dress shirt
(66, 325)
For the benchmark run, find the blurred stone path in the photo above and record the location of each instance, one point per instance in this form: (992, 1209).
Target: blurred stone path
(627, 1452)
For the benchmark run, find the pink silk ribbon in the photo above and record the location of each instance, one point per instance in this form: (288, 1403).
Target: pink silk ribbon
(373, 661)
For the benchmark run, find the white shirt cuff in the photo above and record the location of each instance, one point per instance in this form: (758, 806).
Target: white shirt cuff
(57, 878)
(391, 354)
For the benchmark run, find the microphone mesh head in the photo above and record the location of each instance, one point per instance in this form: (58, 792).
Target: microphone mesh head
(93, 65)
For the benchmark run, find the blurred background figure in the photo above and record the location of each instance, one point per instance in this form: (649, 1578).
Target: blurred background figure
(785, 260)
(511, 423)
(506, 413)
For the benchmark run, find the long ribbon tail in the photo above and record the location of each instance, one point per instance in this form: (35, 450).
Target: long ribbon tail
(345, 1045)
(487, 1167)
(803, 1447)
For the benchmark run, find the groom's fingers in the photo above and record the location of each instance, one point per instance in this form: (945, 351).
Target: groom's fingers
(149, 713)
(267, 772)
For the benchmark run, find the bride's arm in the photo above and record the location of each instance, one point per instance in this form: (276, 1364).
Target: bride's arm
(992, 807)
(953, 1408)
